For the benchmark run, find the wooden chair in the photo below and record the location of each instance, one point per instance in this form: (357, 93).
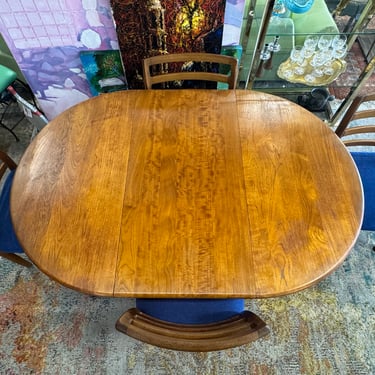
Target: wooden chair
(238, 330)
(8, 241)
(189, 324)
(354, 134)
(156, 69)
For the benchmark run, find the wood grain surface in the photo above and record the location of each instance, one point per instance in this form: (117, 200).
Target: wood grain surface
(187, 193)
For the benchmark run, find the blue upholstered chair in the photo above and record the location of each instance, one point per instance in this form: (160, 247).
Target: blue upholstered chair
(354, 133)
(9, 245)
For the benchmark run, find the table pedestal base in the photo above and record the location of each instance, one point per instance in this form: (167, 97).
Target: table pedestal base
(238, 330)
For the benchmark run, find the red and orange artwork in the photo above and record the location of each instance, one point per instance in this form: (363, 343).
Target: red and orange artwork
(152, 27)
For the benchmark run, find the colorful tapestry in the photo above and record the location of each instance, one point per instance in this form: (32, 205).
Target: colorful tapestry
(152, 27)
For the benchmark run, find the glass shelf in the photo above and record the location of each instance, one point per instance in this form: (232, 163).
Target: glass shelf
(325, 17)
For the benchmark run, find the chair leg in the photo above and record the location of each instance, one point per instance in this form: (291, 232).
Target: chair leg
(15, 258)
(10, 130)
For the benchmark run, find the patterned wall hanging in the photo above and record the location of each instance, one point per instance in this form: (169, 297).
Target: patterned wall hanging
(151, 27)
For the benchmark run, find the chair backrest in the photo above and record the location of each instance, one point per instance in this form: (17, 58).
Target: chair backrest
(156, 69)
(347, 128)
(359, 134)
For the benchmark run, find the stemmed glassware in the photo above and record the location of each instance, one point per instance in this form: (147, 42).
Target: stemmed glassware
(298, 58)
(339, 46)
(337, 50)
(317, 57)
(265, 54)
(340, 52)
(273, 47)
(296, 55)
(324, 42)
(335, 53)
(309, 47)
(311, 42)
(339, 41)
(318, 61)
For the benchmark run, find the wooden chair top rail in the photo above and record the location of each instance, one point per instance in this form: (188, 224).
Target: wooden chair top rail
(164, 76)
(193, 76)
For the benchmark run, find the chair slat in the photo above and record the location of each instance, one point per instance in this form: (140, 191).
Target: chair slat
(363, 114)
(362, 129)
(346, 127)
(360, 142)
(162, 75)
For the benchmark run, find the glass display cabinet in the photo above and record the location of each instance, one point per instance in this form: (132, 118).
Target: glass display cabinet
(294, 47)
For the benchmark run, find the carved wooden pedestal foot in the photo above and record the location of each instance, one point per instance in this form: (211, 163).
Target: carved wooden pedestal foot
(238, 330)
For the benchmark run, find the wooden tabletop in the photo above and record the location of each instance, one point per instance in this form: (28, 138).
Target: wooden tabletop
(187, 193)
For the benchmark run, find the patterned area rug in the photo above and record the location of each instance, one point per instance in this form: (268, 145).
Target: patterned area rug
(46, 328)
(327, 329)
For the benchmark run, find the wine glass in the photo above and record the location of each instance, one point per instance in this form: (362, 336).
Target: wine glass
(328, 70)
(265, 53)
(310, 78)
(308, 52)
(289, 73)
(275, 45)
(311, 42)
(324, 42)
(339, 41)
(317, 62)
(340, 52)
(328, 55)
(297, 57)
(329, 59)
(296, 54)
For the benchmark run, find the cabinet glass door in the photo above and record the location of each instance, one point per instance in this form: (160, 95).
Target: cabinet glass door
(328, 46)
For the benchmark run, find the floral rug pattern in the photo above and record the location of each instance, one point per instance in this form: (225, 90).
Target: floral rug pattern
(46, 328)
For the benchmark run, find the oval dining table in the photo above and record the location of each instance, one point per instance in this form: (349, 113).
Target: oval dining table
(182, 198)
